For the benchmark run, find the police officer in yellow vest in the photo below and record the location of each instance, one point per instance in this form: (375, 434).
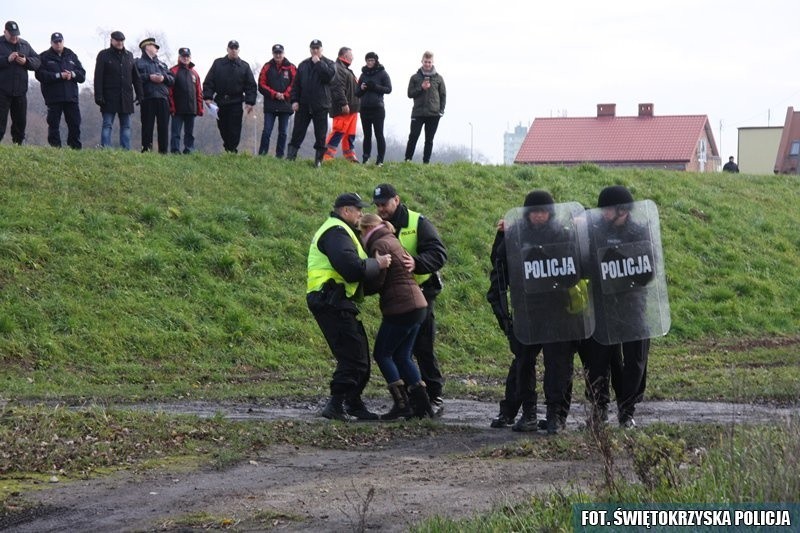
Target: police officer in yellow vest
(337, 265)
(427, 255)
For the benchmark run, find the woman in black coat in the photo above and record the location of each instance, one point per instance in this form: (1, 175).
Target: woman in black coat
(372, 85)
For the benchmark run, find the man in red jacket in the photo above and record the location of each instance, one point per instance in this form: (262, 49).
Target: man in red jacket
(275, 83)
(185, 102)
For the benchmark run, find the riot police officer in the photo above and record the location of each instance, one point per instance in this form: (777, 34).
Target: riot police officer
(523, 242)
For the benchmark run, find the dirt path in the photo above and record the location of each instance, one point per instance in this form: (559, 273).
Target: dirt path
(303, 489)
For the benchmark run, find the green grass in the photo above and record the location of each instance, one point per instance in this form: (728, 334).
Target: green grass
(134, 276)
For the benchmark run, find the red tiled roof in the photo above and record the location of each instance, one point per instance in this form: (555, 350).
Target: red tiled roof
(614, 139)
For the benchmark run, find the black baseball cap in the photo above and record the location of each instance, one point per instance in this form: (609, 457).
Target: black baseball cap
(383, 193)
(12, 27)
(316, 43)
(56, 38)
(184, 52)
(234, 44)
(350, 198)
(117, 35)
(277, 48)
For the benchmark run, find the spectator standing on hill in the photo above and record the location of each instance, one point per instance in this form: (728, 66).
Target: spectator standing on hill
(59, 76)
(730, 166)
(337, 268)
(116, 82)
(156, 81)
(372, 85)
(426, 87)
(311, 100)
(229, 83)
(185, 102)
(16, 59)
(426, 256)
(344, 109)
(275, 83)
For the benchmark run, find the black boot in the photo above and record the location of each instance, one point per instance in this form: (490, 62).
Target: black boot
(334, 409)
(291, 153)
(555, 421)
(355, 407)
(318, 157)
(420, 403)
(526, 422)
(401, 407)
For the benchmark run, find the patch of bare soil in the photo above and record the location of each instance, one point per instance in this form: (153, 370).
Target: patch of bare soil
(290, 488)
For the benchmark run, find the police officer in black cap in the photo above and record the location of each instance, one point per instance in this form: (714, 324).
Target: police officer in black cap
(520, 390)
(17, 58)
(625, 363)
(337, 266)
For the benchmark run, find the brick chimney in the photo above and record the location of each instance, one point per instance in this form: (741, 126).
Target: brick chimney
(606, 110)
(645, 110)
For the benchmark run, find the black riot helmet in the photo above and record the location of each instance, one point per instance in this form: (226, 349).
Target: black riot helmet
(541, 200)
(615, 196)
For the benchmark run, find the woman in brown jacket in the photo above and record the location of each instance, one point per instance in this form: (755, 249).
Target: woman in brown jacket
(403, 308)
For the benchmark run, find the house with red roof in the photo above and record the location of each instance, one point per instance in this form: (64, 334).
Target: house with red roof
(679, 142)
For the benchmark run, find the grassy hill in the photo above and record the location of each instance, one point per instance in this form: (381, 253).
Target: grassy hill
(127, 275)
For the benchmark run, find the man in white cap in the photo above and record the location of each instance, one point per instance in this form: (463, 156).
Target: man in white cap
(19, 59)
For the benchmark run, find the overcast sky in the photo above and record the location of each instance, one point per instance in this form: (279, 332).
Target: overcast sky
(504, 62)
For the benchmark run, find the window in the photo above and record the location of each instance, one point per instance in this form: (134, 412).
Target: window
(794, 151)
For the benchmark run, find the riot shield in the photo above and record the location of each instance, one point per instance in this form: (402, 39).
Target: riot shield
(546, 263)
(627, 274)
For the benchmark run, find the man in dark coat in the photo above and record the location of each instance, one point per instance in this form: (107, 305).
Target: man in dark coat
(311, 100)
(116, 81)
(185, 102)
(426, 87)
(16, 59)
(275, 82)
(59, 76)
(156, 81)
(230, 82)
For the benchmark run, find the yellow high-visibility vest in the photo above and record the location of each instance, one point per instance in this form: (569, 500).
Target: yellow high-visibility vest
(320, 269)
(408, 238)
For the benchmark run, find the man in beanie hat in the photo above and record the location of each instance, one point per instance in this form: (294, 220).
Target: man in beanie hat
(116, 84)
(59, 76)
(156, 81)
(372, 85)
(17, 59)
(344, 109)
(625, 363)
(537, 223)
(337, 267)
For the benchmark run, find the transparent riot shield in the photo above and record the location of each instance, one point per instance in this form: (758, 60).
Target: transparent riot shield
(546, 262)
(627, 273)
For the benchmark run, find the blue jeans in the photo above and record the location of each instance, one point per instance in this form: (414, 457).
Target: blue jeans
(266, 133)
(185, 122)
(124, 130)
(392, 352)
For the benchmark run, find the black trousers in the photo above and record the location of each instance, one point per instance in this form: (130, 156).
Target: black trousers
(229, 122)
(18, 107)
(302, 119)
(348, 342)
(521, 377)
(431, 124)
(72, 116)
(155, 112)
(425, 356)
(558, 369)
(625, 365)
(373, 118)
